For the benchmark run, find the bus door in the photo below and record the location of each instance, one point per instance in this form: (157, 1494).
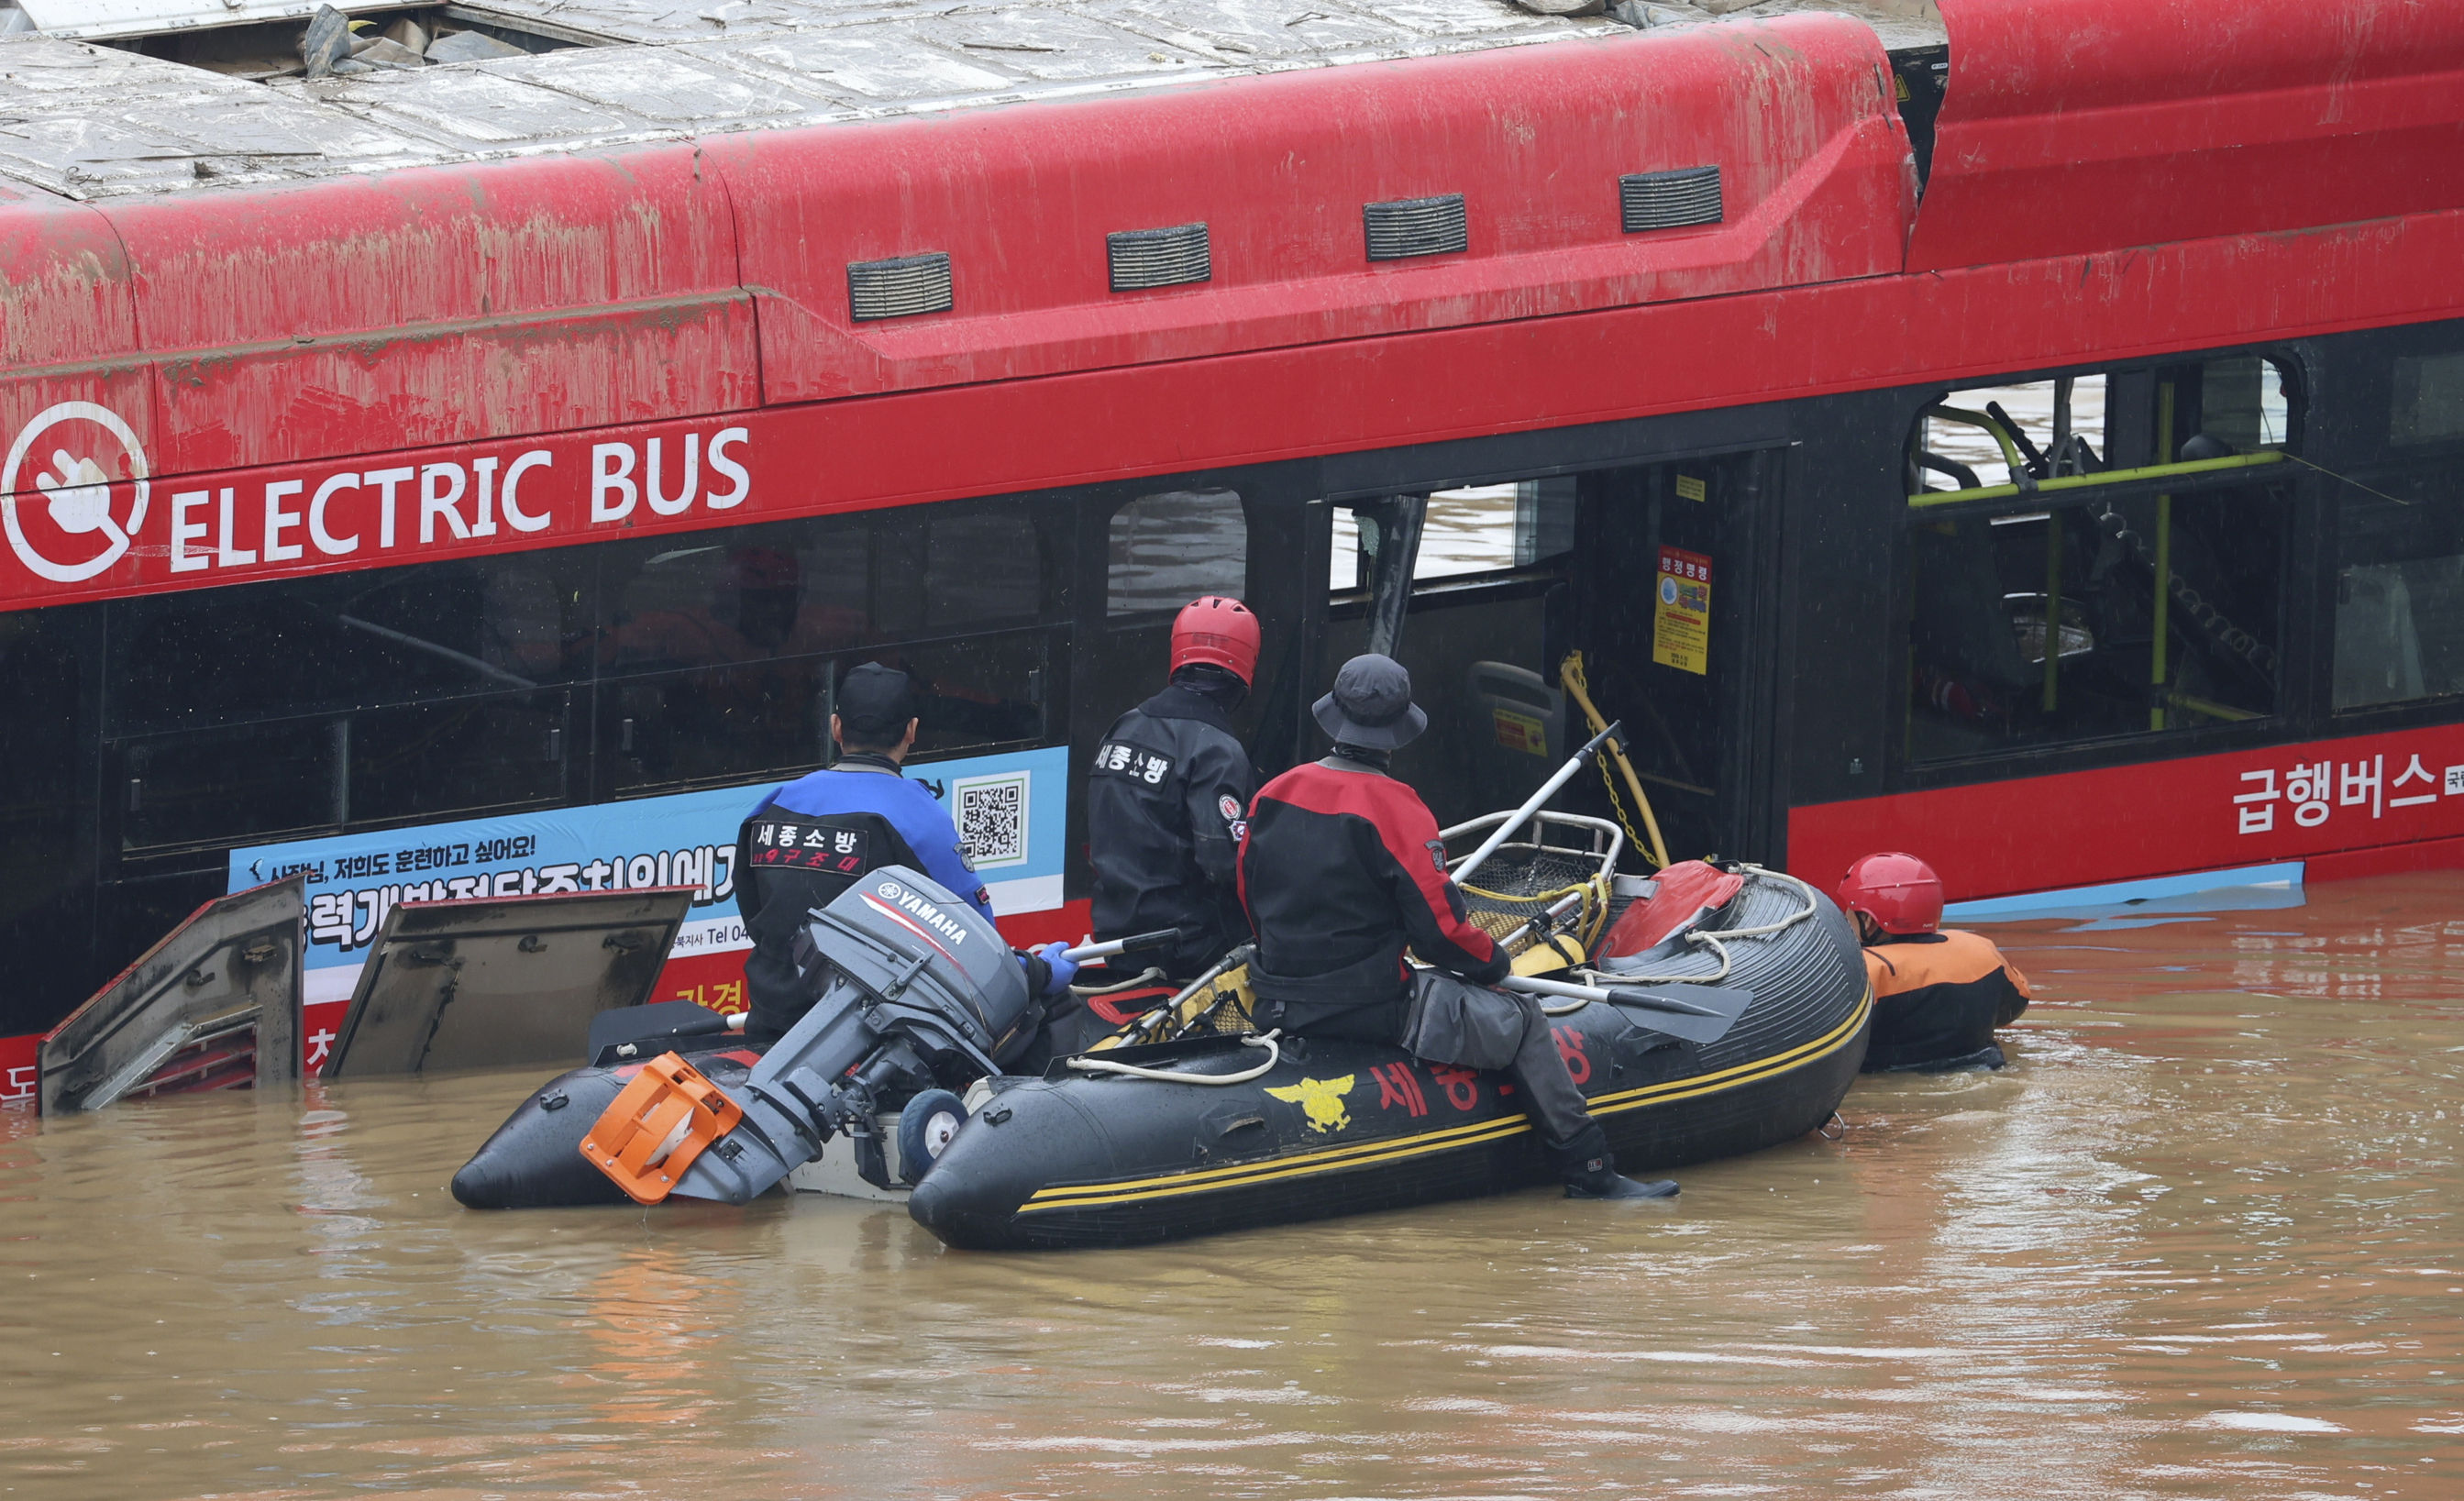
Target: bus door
(1677, 569)
(1466, 585)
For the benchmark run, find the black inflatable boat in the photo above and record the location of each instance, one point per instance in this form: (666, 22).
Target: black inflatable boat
(1107, 1158)
(1726, 1012)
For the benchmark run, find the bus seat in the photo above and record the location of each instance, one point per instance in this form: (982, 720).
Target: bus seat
(1962, 626)
(1514, 730)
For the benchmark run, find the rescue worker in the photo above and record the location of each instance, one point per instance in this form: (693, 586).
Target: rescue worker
(1341, 867)
(1939, 992)
(815, 837)
(1169, 793)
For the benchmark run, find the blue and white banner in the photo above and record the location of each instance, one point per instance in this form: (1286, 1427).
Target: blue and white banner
(1010, 811)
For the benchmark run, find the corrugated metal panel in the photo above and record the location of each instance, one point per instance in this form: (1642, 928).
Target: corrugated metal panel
(100, 18)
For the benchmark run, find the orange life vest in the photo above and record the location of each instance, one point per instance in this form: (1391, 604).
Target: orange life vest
(1937, 998)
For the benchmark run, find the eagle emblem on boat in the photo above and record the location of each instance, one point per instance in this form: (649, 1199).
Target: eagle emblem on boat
(1321, 1101)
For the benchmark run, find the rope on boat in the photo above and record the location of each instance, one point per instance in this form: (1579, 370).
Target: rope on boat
(1266, 1040)
(1713, 942)
(1148, 977)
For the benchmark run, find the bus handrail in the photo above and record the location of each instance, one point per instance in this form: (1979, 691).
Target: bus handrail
(1926, 499)
(1994, 430)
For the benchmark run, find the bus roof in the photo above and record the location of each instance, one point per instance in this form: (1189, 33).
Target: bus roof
(91, 117)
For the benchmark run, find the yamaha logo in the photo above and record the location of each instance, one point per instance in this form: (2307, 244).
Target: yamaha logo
(918, 907)
(70, 456)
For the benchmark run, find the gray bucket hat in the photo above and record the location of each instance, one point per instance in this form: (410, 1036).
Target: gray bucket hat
(1371, 705)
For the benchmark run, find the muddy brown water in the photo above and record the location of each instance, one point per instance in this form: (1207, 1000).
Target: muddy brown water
(2200, 1241)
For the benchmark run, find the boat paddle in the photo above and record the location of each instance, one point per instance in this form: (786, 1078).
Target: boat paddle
(1696, 1013)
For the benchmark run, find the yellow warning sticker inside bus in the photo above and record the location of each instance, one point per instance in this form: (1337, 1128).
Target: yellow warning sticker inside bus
(1520, 731)
(1680, 624)
(1690, 487)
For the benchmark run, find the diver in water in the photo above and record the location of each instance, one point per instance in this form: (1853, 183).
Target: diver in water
(1341, 869)
(1939, 993)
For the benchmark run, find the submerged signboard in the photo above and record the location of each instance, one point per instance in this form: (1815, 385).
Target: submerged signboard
(1009, 809)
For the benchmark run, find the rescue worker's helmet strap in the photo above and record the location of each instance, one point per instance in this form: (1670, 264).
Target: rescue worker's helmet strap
(1220, 629)
(1901, 892)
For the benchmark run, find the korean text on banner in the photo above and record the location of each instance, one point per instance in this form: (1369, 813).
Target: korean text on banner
(1681, 620)
(1010, 810)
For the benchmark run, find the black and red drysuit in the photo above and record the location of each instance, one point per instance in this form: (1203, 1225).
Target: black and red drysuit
(1341, 869)
(1938, 997)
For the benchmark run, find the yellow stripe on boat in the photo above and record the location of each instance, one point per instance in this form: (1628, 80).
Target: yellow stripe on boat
(1395, 1149)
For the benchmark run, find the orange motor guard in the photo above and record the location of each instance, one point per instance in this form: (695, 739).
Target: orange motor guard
(652, 1133)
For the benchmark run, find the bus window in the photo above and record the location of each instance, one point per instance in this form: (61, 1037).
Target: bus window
(753, 593)
(313, 704)
(2400, 589)
(1475, 632)
(980, 566)
(2428, 405)
(2035, 610)
(1972, 455)
(344, 641)
(979, 693)
(1473, 529)
(45, 903)
(720, 654)
(1164, 550)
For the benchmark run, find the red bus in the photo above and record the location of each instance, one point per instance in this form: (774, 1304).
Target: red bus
(2042, 448)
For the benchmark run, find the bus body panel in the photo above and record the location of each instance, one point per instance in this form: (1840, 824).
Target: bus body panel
(2193, 813)
(1815, 185)
(1309, 400)
(68, 322)
(2195, 119)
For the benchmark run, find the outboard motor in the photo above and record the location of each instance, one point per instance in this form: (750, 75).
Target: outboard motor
(910, 975)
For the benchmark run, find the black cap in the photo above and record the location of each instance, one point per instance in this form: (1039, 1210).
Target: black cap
(875, 702)
(1371, 705)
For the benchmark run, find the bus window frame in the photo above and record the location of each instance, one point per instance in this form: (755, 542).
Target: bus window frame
(2304, 587)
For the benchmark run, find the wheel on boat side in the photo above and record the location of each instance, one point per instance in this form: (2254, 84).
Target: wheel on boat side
(925, 1128)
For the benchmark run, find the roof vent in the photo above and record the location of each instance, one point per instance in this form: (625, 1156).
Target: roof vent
(1669, 200)
(1409, 227)
(1172, 257)
(903, 287)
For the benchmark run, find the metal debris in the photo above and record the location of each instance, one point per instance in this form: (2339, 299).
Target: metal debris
(327, 42)
(470, 47)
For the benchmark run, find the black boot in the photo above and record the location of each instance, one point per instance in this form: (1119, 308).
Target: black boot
(1591, 1172)
(1598, 1178)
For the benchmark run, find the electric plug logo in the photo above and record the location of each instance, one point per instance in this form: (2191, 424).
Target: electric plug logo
(77, 487)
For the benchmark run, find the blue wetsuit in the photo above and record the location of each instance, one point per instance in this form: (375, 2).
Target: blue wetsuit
(813, 838)
(860, 783)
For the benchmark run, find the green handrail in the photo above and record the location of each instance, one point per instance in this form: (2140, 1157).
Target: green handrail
(1994, 430)
(1926, 499)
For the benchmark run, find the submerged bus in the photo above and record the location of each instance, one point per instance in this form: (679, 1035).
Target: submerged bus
(2033, 438)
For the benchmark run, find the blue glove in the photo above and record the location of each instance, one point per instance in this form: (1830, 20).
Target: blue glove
(1059, 968)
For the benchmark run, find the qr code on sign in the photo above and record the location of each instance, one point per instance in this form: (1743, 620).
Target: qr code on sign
(992, 818)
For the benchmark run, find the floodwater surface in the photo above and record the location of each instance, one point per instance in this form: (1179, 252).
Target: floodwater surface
(2199, 1240)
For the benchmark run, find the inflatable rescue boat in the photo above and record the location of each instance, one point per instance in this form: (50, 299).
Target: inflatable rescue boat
(1094, 1156)
(1704, 1013)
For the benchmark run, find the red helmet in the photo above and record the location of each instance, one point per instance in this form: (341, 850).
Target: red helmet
(1899, 892)
(1219, 630)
